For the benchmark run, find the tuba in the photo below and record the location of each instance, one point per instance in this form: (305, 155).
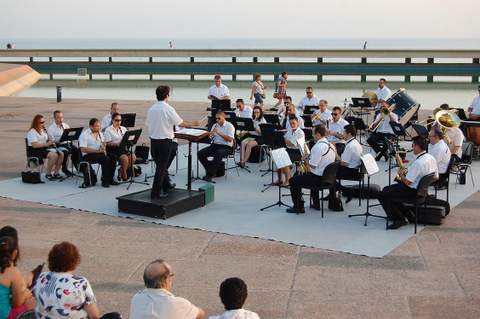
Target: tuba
(446, 120)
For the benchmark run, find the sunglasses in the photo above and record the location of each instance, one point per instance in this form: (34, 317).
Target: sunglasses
(335, 114)
(286, 103)
(117, 120)
(218, 118)
(42, 122)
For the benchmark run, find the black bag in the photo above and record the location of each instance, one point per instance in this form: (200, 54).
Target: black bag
(372, 192)
(431, 215)
(335, 203)
(432, 201)
(31, 177)
(89, 176)
(221, 170)
(142, 152)
(256, 156)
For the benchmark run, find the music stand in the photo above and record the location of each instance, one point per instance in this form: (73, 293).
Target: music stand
(130, 138)
(128, 119)
(309, 109)
(307, 121)
(68, 136)
(224, 105)
(279, 202)
(361, 102)
(244, 124)
(272, 119)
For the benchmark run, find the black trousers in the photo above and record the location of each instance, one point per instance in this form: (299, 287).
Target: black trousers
(71, 150)
(298, 182)
(391, 199)
(377, 142)
(218, 152)
(346, 173)
(107, 162)
(161, 154)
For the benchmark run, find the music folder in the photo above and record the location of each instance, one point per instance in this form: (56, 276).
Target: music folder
(71, 134)
(128, 119)
(244, 124)
(363, 102)
(281, 158)
(309, 109)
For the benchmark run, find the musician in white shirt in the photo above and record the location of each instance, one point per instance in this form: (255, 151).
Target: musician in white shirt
(55, 132)
(336, 130)
(322, 154)
(455, 140)
(383, 93)
(384, 130)
(289, 109)
(308, 100)
(113, 137)
(107, 119)
(440, 151)
(292, 137)
(41, 147)
(350, 159)
(222, 135)
(254, 138)
(323, 115)
(93, 148)
(392, 197)
(474, 109)
(243, 110)
(218, 91)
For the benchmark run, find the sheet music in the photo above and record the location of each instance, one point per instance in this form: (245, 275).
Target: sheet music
(370, 164)
(190, 131)
(280, 158)
(303, 147)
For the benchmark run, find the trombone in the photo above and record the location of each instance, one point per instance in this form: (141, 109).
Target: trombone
(384, 112)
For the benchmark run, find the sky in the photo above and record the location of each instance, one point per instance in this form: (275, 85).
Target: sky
(335, 19)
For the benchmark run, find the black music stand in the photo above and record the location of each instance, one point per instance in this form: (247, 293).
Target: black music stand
(244, 124)
(307, 121)
(130, 138)
(68, 136)
(309, 109)
(128, 119)
(224, 105)
(279, 202)
(273, 119)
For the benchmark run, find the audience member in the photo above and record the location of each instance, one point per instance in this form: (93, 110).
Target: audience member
(233, 293)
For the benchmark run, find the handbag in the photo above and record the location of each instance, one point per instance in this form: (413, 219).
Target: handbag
(141, 152)
(32, 176)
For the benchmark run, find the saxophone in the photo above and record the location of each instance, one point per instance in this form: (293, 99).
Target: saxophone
(402, 171)
(303, 167)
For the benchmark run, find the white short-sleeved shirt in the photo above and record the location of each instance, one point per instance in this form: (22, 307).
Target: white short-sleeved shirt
(226, 129)
(351, 154)
(55, 131)
(106, 121)
(337, 127)
(423, 165)
(159, 304)
(237, 314)
(34, 137)
(301, 123)
(161, 118)
(62, 295)
(476, 105)
(247, 112)
(88, 140)
(219, 91)
(259, 87)
(456, 138)
(383, 94)
(322, 154)
(314, 101)
(324, 117)
(256, 125)
(442, 155)
(384, 126)
(114, 135)
(294, 136)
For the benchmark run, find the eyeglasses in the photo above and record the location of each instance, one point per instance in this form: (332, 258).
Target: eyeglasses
(117, 120)
(309, 92)
(218, 118)
(335, 114)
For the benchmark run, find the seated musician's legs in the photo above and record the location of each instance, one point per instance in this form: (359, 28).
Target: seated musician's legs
(59, 162)
(296, 193)
(52, 158)
(308, 180)
(65, 169)
(373, 141)
(203, 155)
(391, 199)
(220, 153)
(124, 165)
(346, 173)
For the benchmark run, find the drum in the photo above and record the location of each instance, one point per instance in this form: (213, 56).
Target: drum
(372, 96)
(405, 106)
(472, 129)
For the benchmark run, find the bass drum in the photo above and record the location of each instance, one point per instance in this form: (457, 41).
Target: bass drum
(405, 106)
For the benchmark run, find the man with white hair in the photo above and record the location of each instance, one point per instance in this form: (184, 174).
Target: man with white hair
(156, 301)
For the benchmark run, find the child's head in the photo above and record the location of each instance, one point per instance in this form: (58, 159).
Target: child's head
(233, 293)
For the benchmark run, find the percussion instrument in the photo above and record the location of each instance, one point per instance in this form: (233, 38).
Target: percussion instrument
(405, 106)
(372, 96)
(472, 129)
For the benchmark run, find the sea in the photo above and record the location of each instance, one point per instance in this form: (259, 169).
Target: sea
(455, 91)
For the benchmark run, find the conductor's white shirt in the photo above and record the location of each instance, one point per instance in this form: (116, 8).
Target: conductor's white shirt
(423, 165)
(114, 135)
(219, 91)
(442, 155)
(322, 154)
(351, 154)
(161, 118)
(55, 131)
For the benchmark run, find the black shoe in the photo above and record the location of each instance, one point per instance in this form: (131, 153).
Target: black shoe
(67, 172)
(397, 224)
(57, 176)
(114, 183)
(159, 195)
(50, 177)
(207, 178)
(295, 211)
(106, 185)
(316, 206)
(349, 198)
(378, 157)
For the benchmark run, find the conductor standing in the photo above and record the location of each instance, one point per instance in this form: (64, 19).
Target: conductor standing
(160, 122)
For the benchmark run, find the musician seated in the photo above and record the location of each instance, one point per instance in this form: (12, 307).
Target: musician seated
(440, 151)
(292, 136)
(41, 147)
(336, 129)
(350, 159)
(55, 132)
(474, 109)
(254, 138)
(309, 99)
(222, 136)
(113, 137)
(383, 131)
(92, 146)
(243, 110)
(107, 119)
(322, 154)
(383, 93)
(392, 197)
(218, 91)
(290, 110)
(322, 115)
